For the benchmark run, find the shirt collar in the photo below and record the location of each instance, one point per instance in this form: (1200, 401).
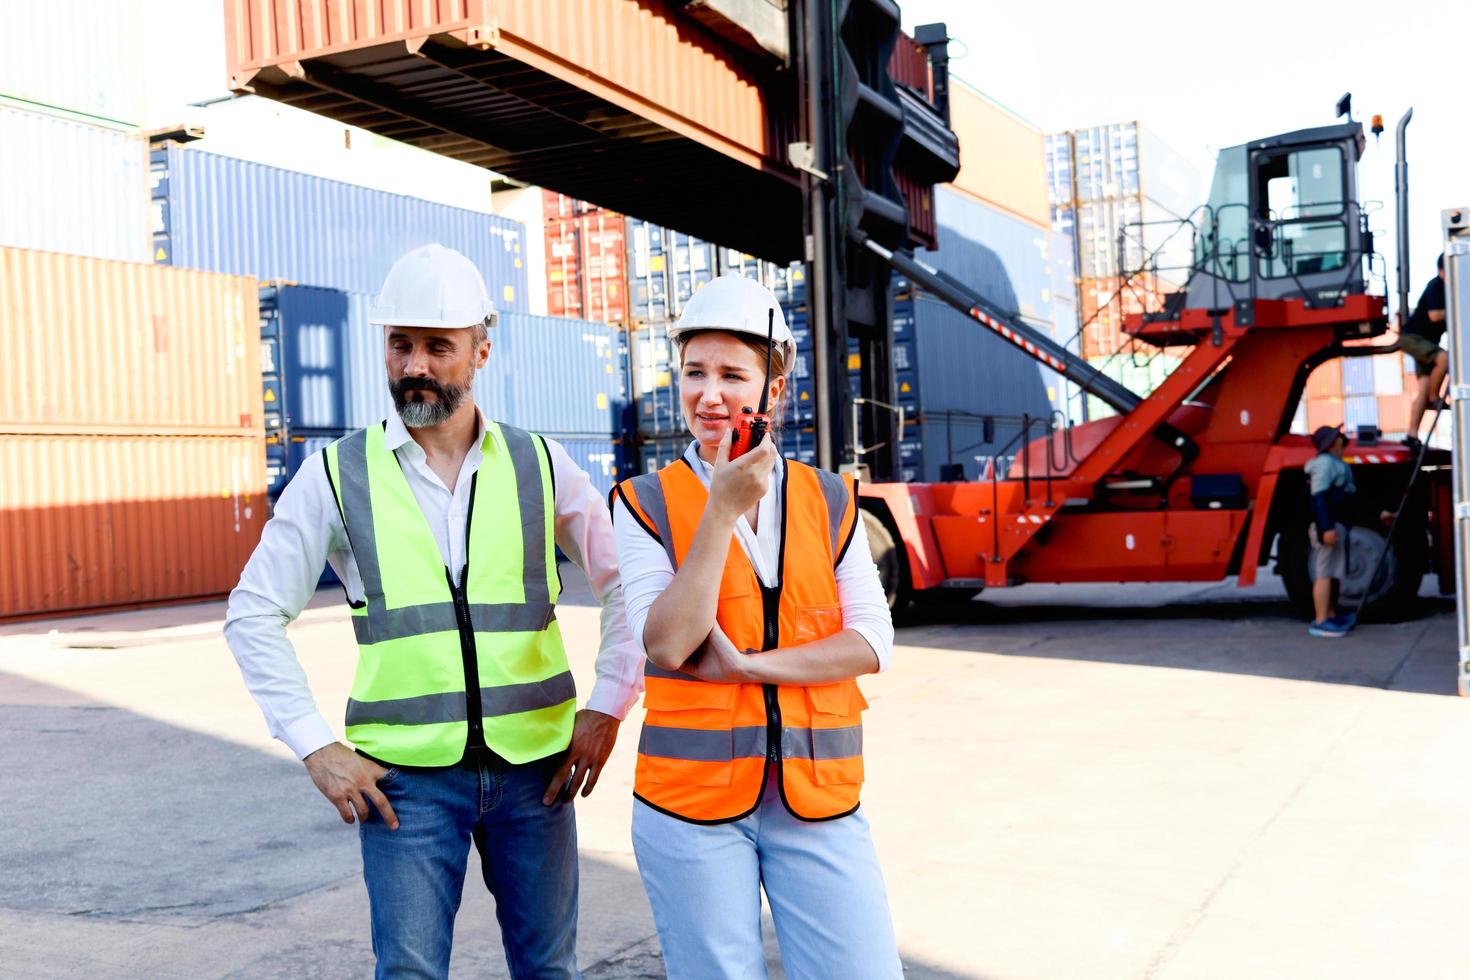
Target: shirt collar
(396, 435)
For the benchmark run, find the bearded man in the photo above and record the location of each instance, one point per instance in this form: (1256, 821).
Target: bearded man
(462, 717)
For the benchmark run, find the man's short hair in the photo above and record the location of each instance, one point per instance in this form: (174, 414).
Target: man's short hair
(481, 332)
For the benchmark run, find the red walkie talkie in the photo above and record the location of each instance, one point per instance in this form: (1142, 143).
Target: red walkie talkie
(751, 427)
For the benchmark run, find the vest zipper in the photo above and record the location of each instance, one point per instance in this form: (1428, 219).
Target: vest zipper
(474, 712)
(771, 611)
(476, 736)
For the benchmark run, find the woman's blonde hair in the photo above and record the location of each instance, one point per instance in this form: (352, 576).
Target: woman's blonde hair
(756, 345)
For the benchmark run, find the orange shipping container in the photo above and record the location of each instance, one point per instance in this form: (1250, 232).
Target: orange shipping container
(1323, 411)
(639, 56)
(585, 260)
(97, 346)
(1393, 414)
(1104, 304)
(1326, 380)
(90, 522)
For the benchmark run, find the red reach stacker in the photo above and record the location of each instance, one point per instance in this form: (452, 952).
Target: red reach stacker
(1201, 479)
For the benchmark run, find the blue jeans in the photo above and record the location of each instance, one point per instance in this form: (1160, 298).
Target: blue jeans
(821, 879)
(528, 855)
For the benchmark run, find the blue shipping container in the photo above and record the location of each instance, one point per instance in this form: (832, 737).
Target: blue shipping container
(1359, 410)
(285, 452)
(560, 375)
(227, 215)
(1357, 376)
(665, 267)
(1004, 259)
(601, 457)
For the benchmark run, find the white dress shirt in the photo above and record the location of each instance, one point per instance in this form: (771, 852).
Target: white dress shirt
(646, 571)
(305, 531)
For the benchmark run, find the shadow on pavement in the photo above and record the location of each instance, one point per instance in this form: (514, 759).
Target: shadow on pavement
(134, 847)
(1209, 628)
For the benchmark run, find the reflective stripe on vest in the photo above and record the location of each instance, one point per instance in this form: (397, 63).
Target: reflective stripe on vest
(705, 748)
(423, 643)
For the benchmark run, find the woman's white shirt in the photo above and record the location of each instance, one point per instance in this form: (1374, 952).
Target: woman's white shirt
(646, 572)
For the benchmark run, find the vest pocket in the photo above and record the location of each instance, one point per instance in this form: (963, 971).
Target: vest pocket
(841, 698)
(817, 622)
(836, 733)
(687, 737)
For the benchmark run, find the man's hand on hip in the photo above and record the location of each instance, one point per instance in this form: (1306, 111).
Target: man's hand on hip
(349, 781)
(593, 736)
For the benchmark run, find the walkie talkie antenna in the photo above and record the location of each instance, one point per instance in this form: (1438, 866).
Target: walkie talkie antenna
(770, 334)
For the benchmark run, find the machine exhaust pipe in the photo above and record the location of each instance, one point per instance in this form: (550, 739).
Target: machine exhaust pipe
(1401, 203)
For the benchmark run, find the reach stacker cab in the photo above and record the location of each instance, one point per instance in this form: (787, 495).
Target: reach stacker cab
(1202, 478)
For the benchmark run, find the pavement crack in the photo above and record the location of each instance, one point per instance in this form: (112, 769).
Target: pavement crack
(1408, 655)
(613, 958)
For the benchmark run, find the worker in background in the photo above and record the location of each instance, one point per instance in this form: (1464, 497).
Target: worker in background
(1330, 484)
(463, 718)
(1420, 340)
(750, 587)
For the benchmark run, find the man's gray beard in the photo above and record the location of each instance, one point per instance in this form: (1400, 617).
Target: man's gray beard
(424, 415)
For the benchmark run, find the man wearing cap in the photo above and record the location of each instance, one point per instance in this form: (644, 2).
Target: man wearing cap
(462, 716)
(1330, 483)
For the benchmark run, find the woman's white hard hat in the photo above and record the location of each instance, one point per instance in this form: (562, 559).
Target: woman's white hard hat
(433, 286)
(736, 304)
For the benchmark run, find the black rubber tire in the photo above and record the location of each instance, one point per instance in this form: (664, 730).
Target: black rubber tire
(1397, 591)
(884, 549)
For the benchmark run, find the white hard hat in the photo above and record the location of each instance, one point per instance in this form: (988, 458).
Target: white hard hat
(433, 286)
(739, 305)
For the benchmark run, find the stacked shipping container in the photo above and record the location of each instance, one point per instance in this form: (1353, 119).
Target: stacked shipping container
(586, 247)
(227, 215)
(72, 187)
(1362, 391)
(132, 471)
(1120, 192)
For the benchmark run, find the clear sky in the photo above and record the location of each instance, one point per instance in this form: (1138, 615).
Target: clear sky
(1206, 76)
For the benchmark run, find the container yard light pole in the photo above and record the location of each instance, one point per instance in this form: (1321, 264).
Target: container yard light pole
(1457, 312)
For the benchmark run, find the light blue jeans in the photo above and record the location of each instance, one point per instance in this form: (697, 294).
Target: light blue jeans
(821, 879)
(528, 856)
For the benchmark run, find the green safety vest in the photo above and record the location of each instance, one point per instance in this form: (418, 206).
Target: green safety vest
(443, 668)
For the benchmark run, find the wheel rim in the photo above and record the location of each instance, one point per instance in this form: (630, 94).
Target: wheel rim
(1365, 546)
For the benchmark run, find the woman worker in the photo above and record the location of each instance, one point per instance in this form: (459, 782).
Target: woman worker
(750, 585)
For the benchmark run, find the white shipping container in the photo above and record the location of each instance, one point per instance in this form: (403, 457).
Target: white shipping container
(76, 56)
(1148, 234)
(1388, 375)
(1128, 160)
(71, 187)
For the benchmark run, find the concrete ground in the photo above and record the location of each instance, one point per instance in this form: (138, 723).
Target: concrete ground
(1086, 782)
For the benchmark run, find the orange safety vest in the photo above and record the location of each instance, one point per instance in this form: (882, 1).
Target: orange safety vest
(706, 749)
